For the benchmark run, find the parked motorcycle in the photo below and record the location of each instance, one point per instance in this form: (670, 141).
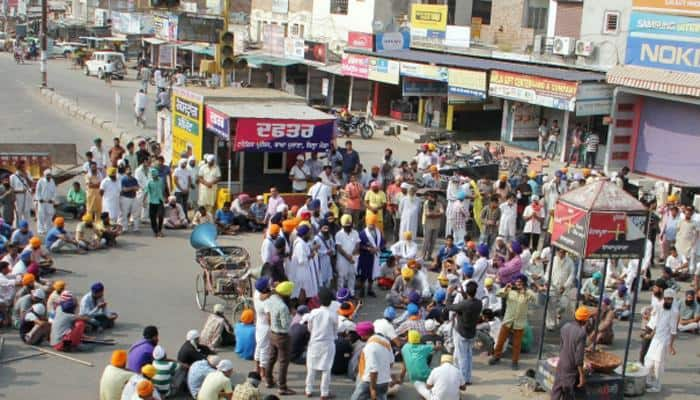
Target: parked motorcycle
(355, 124)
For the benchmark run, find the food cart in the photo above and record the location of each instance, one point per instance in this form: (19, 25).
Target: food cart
(597, 221)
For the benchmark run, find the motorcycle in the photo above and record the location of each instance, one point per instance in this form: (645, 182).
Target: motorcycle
(356, 124)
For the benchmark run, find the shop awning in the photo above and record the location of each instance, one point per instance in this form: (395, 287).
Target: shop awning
(656, 80)
(335, 69)
(198, 49)
(485, 64)
(154, 41)
(270, 109)
(256, 61)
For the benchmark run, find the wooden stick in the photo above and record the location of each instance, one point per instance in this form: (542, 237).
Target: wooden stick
(65, 271)
(99, 341)
(17, 358)
(69, 358)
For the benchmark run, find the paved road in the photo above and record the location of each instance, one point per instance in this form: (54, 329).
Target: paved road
(151, 281)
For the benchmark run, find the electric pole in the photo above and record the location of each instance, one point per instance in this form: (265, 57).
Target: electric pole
(224, 73)
(44, 44)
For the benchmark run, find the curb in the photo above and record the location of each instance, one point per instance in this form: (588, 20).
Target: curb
(70, 108)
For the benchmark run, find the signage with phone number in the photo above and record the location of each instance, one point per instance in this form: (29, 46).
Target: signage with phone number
(187, 123)
(277, 135)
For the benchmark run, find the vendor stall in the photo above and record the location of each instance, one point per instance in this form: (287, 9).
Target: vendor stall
(597, 221)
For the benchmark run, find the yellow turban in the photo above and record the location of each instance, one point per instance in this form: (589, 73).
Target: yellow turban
(488, 282)
(442, 279)
(446, 358)
(586, 172)
(408, 235)
(27, 279)
(274, 229)
(111, 171)
(433, 168)
(285, 288)
(672, 198)
(532, 174)
(407, 273)
(87, 218)
(371, 219)
(413, 337)
(346, 220)
(432, 147)
(59, 285)
(503, 177)
(288, 225)
(119, 358)
(149, 371)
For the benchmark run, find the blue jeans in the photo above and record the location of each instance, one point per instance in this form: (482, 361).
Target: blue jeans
(551, 147)
(362, 391)
(463, 355)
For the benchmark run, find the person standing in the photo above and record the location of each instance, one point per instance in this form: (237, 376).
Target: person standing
(142, 177)
(45, 197)
(299, 174)
(687, 236)
(128, 203)
(562, 280)
(542, 134)
(458, 215)
(302, 266)
(154, 191)
(552, 140)
(270, 79)
(428, 112)
(347, 242)
(140, 101)
(591, 144)
(183, 182)
(533, 217)
(322, 324)
(432, 219)
(110, 188)
(374, 368)
(208, 178)
(353, 204)
(509, 215)
(7, 200)
(280, 320)
(21, 184)
(409, 212)
(576, 142)
(351, 161)
(664, 324)
(468, 311)
(375, 202)
(515, 318)
(371, 245)
(145, 78)
(570, 374)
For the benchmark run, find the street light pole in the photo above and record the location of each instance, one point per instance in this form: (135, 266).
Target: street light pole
(44, 44)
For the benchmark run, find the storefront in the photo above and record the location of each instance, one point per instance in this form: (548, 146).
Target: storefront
(372, 78)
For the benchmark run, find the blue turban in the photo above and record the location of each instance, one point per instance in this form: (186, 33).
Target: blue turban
(461, 195)
(97, 287)
(23, 224)
(414, 297)
(440, 295)
(303, 230)
(26, 255)
(483, 250)
(516, 247)
(343, 294)
(68, 306)
(521, 277)
(412, 309)
(390, 313)
(262, 284)
(467, 269)
(315, 204)
(280, 243)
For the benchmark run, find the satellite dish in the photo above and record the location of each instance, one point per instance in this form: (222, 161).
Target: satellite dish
(378, 25)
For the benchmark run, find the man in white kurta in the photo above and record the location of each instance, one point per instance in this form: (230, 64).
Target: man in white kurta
(347, 241)
(509, 214)
(110, 189)
(453, 188)
(409, 211)
(142, 177)
(561, 283)
(21, 184)
(263, 350)
(323, 329)
(209, 175)
(302, 265)
(45, 197)
(267, 248)
(405, 249)
(664, 323)
(321, 192)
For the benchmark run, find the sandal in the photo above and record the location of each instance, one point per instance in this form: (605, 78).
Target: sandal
(286, 392)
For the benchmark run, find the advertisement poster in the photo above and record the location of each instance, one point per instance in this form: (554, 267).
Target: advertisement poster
(278, 135)
(389, 41)
(422, 87)
(355, 65)
(569, 230)
(315, 51)
(615, 235)
(429, 16)
(187, 120)
(525, 121)
(467, 83)
(166, 56)
(424, 71)
(545, 92)
(294, 48)
(683, 7)
(217, 122)
(273, 39)
(361, 40)
(383, 70)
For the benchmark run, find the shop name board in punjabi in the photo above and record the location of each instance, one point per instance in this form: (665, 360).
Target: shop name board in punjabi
(276, 135)
(546, 92)
(187, 108)
(187, 123)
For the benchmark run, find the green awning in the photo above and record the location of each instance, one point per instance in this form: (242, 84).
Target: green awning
(206, 50)
(256, 61)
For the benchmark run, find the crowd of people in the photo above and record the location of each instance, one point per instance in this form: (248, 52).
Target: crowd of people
(356, 235)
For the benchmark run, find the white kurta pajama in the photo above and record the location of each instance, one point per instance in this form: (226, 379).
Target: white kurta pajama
(267, 249)
(45, 197)
(263, 350)
(409, 211)
(207, 195)
(302, 270)
(323, 193)
(326, 249)
(347, 269)
(665, 325)
(506, 226)
(323, 328)
(405, 250)
(453, 187)
(110, 197)
(22, 186)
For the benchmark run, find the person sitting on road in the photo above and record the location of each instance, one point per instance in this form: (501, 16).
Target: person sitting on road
(67, 329)
(86, 235)
(217, 331)
(75, 201)
(245, 335)
(22, 234)
(114, 377)
(201, 217)
(94, 307)
(192, 350)
(57, 238)
(141, 352)
(225, 220)
(217, 384)
(40, 256)
(590, 290)
(35, 327)
(174, 217)
(198, 371)
(165, 370)
(258, 210)
(107, 232)
(140, 386)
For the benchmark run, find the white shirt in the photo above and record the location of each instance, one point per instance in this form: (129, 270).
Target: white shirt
(111, 190)
(182, 177)
(347, 242)
(267, 249)
(385, 328)
(299, 177)
(140, 100)
(378, 358)
(20, 184)
(446, 380)
(99, 156)
(665, 324)
(423, 160)
(45, 190)
(141, 175)
(323, 325)
(562, 273)
(533, 225)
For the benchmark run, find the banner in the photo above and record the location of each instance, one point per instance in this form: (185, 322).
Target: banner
(187, 119)
(273, 39)
(280, 135)
(389, 41)
(361, 40)
(684, 7)
(383, 70)
(424, 71)
(453, 39)
(669, 54)
(569, 231)
(466, 83)
(594, 99)
(616, 235)
(217, 122)
(552, 93)
(663, 25)
(191, 28)
(429, 16)
(355, 65)
(315, 51)
(422, 87)
(294, 48)
(166, 56)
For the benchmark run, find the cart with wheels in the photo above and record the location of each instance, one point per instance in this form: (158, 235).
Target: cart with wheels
(225, 273)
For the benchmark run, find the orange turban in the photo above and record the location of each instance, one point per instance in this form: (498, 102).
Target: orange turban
(288, 225)
(59, 222)
(274, 229)
(347, 312)
(144, 388)
(294, 210)
(119, 358)
(471, 245)
(412, 263)
(248, 316)
(35, 242)
(582, 313)
(28, 279)
(371, 219)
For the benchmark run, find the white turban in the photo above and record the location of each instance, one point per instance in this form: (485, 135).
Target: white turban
(210, 158)
(183, 161)
(669, 293)
(158, 353)
(281, 208)
(192, 335)
(47, 172)
(405, 186)
(224, 365)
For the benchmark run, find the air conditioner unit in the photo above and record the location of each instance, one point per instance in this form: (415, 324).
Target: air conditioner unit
(563, 46)
(584, 48)
(538, 44)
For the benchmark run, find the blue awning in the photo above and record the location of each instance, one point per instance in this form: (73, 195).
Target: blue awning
(257, 60)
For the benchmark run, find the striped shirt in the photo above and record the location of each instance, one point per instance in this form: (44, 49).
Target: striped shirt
(164, 375)
(592, 142)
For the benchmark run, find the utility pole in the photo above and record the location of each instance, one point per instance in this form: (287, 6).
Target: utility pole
(219, 58)
(44, 40)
